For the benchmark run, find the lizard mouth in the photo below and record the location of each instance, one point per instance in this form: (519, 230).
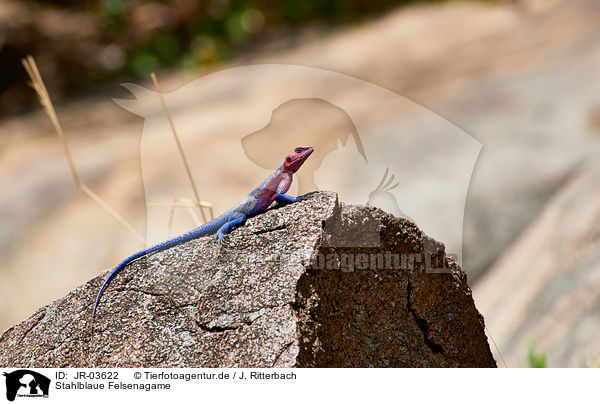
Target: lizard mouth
(302, 157)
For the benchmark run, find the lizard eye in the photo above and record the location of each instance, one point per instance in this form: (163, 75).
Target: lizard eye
(298, 150)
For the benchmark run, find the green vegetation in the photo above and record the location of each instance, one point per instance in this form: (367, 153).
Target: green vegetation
(192, 34)
(535, 359)
(90, 42)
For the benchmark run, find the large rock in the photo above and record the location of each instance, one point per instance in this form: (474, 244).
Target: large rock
(314, 283)
(546, 289)
(516, 81)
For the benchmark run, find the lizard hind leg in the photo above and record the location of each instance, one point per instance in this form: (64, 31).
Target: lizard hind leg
(235, 219)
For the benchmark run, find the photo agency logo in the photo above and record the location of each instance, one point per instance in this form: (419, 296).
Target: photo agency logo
(372, 147)
(26, 383)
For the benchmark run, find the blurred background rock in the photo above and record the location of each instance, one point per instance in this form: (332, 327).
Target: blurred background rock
(522, 77)
(545, 289)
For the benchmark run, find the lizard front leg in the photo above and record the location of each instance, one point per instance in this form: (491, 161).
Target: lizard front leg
(283, 198)
(282, 188)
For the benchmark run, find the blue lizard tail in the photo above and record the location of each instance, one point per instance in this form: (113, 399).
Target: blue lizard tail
(208, 228)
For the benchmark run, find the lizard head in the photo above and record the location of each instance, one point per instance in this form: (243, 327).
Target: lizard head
(295, 159)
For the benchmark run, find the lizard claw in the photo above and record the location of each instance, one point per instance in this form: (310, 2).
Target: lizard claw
(220, 239)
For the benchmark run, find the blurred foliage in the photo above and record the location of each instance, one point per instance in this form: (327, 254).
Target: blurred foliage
(535, 359)
(79, 43)
(210, 31)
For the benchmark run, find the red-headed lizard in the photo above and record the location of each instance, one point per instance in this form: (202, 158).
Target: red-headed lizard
(273, 188)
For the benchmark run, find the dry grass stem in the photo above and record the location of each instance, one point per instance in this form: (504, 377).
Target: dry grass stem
(199, 203)
(40, 88)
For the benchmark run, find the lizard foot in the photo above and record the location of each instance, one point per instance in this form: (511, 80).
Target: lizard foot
(221, 240)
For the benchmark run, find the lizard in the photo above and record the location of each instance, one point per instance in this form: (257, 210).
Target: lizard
(273, 188)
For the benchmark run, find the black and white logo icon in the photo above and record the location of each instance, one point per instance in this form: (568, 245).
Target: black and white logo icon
(26, 383)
